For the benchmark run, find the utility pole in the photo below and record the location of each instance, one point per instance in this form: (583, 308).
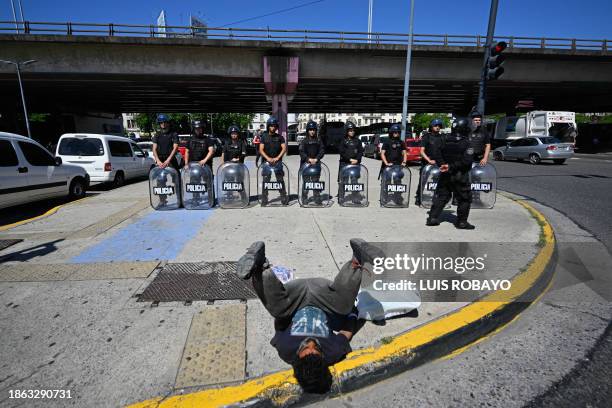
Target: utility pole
(407, 75)
(23, 101)
(482, 92)
(14, 16)
(370, 11)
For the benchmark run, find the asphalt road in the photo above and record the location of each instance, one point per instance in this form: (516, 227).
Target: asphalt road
(581, 189)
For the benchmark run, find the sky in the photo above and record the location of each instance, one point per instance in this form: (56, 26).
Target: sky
(588, 19)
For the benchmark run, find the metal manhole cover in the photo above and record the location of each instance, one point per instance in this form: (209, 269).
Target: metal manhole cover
(198, 281)
(5, 243)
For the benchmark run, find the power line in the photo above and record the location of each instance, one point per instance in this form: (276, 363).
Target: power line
(272, 13)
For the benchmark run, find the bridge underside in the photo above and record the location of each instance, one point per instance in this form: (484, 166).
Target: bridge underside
(125, 93)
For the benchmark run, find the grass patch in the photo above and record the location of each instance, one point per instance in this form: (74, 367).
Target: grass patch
(386, 340)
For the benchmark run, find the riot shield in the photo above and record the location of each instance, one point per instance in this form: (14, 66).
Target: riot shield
(395, 186)
(164, 188)
(273, 184)
(429, 182)
(198, 190)
(313, 182)
(483, 183)
(353, 186)
(233, 185)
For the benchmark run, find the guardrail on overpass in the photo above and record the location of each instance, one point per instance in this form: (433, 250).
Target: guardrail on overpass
(305, 36)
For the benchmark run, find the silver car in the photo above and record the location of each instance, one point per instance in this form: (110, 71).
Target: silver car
(535, 149)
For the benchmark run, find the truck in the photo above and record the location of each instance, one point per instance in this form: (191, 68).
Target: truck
(561, 125)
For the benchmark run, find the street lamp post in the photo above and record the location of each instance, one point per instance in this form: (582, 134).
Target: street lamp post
(23, 101)
(407, 75)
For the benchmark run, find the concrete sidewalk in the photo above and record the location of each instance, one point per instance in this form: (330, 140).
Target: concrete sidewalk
(72, 320)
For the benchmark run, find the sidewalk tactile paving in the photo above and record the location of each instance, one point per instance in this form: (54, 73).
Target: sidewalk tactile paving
(31, 272)
(215, 348)
(198, 281)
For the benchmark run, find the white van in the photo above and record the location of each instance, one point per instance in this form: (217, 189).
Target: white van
(106, 158)
(561, 125)
(29, 173)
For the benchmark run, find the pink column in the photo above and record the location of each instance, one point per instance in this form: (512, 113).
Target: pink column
(280, 81)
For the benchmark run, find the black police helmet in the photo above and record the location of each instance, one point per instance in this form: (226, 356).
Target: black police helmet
(233, 129)
(311, 125)
(461, 125)
(348, 126)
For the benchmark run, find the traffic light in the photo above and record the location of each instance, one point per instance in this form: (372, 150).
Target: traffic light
(494, 67)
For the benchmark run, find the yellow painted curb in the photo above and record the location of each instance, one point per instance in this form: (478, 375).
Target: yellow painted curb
(38, 217)
(401, 345)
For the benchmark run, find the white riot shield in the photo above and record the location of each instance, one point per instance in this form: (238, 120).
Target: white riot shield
(273, 184)
(164, 188)
(233, 186)
(353, 186)
(483, 183)
(395, 186)
(313, 182)
(198, 190)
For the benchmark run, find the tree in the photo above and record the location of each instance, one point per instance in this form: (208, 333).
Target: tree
(222, 121)
(421, 121)
(145, 121)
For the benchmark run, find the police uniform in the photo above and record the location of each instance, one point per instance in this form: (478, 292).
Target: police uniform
(311, 148)
(273, 145)
(394, 152)
(165, 140)
(236, 149)
(479, 138)
(429, 141)
(350, 148)
(454, 149)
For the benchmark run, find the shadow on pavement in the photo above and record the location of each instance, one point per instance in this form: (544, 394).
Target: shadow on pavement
(29, 253)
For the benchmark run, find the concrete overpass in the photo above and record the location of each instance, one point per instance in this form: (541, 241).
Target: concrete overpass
(136, 74)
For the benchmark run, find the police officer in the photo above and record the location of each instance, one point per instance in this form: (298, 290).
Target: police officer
(351, 152)
(393, 153)
(165, 144)
(454, 155)
(311, 152)
(480, 140)
(272, 148)
(428, 141)
(200, 150)
(234, 151)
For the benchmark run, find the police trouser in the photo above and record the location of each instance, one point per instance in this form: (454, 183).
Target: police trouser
(283, 300)
(280, 177)
(457, 183)
(350, 179)
(419, 185)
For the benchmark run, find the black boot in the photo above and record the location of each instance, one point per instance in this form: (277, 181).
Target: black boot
(464, 225)
(432, 222)
(364, 252)
(253, 261)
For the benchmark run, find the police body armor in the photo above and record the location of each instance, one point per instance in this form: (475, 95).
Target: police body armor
(232, 184)
(164, 188)
(272, 144)
(477, 143)
(350, 148)
(234, 150)
(198, 148)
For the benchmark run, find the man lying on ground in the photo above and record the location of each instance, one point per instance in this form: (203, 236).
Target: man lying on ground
(314, 322)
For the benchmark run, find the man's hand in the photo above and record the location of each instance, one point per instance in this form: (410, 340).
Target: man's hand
(313, 161)
(202, 162)
(162, 165)
(444, 168)
(483, 162)
(235, 159)
(432, 162)
(404, 163)
(353, 161)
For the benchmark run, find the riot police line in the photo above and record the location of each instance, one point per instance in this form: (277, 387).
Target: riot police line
(196, 188)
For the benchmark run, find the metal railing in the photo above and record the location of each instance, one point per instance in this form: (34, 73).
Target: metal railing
(304, 36)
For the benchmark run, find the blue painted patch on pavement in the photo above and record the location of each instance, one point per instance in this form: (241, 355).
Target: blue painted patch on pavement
(160, 235)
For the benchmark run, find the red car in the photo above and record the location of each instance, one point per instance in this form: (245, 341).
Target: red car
(413, 150)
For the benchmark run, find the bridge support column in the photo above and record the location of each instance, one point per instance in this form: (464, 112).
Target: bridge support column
(280, 81)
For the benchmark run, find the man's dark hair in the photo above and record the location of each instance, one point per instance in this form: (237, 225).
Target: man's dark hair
(312, 374)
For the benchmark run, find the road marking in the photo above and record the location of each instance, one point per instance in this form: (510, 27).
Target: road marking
(271, 386)
(46, 214)
(215, 350)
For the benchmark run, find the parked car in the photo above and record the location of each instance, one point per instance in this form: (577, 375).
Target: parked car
(106, 158)
(535, 149)
(366, 139)
(413, 150)
(300, 136)
(28, 172)
(373, 149)
(146, 147)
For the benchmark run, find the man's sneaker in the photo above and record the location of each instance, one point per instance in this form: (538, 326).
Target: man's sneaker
(252, 261)
(364, 252)
(464, 225)
(432, 222)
